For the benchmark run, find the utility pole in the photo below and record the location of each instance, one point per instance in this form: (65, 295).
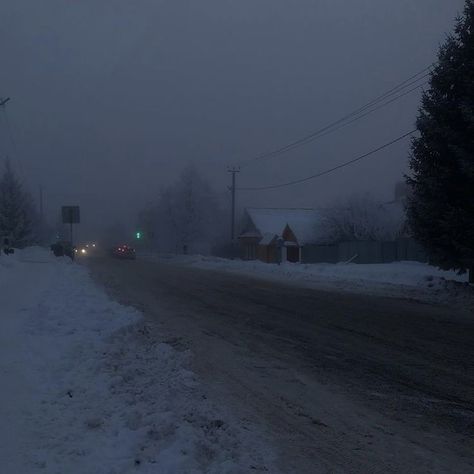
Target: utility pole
(41, 212)
(233, 170)
(41, 201)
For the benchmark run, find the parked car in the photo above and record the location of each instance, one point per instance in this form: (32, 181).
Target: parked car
(124, 251)
(63, 247)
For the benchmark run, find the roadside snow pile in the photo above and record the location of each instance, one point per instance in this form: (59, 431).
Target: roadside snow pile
(387, 278)
(88, 388)
(28, 255)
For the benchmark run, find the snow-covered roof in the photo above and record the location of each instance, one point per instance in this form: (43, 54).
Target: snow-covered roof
(268, 238)
(251, 234)
(304, 223)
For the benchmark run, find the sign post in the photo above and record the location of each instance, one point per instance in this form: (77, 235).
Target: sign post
(71, 215)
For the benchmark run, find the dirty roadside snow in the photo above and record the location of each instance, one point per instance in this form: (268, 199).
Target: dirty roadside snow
(398, 279)
(87, 389)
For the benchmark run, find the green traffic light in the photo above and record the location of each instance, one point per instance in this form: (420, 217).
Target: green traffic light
(138, 235)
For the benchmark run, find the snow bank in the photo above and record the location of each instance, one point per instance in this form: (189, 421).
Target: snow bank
(388, 278)
(89, 388)
(28, 255)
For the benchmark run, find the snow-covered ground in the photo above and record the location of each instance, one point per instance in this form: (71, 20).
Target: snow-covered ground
(86, 388)
(411, 279)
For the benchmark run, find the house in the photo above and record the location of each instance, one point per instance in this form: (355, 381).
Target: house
(270, 234)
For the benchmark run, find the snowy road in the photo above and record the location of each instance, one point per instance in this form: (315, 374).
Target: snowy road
(338, 382)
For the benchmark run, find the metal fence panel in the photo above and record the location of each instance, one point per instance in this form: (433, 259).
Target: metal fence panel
(389, 252)
(320, 254)
(364, 252)
(360, 252)
(409, 249)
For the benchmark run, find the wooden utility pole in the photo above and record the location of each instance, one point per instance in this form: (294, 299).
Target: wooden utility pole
(41, 217)
(41, 201)
(233, 170)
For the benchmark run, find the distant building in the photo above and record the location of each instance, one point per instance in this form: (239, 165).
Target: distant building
(273, 235)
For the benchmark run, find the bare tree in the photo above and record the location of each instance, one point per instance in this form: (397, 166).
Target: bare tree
(186, 213)
(361, 217)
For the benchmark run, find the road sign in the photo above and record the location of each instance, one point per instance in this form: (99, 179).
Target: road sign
(71, 214)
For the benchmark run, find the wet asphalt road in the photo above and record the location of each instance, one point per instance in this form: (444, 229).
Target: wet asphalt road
(340, 382)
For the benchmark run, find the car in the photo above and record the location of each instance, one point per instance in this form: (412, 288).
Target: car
(63, 248)
(86, 249)
(124, 251)
(82, 250)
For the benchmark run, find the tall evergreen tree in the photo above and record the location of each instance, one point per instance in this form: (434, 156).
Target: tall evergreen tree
(441, 208)
(16, 208)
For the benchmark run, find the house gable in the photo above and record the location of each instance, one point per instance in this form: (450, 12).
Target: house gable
(250, 232)
(301, 226)
(288, 235)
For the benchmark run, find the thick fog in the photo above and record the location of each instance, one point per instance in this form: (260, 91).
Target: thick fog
(110, 99)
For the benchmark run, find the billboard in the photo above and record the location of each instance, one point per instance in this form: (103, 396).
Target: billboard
(71, 214)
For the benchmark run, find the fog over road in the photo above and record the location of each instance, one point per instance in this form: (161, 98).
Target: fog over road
(338, 382)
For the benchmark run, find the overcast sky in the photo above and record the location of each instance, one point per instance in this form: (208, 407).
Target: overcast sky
(111, 98)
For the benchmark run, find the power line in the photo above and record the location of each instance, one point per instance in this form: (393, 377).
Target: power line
(345, 124)
(395, 90)
(338, 124)
(322, 173)
(406, 83)
(355, 115)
